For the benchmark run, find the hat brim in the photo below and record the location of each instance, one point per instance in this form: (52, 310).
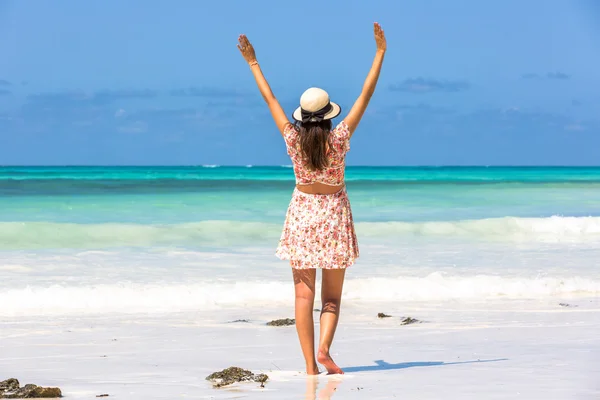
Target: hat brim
(335, 111)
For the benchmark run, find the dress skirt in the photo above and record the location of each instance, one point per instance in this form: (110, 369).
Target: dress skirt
(319, 231)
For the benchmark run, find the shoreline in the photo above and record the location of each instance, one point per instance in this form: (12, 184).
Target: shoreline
(535, 349)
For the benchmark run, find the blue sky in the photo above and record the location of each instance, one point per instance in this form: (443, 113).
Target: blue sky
(156, 82)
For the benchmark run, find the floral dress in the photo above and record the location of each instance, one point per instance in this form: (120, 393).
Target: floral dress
(319, 230)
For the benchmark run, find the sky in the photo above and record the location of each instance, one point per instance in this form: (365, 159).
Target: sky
(145, 82)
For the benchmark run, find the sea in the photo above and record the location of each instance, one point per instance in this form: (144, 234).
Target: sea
(97, 240)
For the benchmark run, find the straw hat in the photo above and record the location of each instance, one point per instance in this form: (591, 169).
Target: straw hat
(315, 106)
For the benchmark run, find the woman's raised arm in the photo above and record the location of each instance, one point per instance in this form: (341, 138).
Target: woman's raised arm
(250, 56)
(358, 109)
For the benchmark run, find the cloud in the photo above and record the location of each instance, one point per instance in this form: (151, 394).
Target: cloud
(575, 127)
(134, 127)
(58, 98)
(424, 108)
(558, 75)
(162, 113)
(518, 121)
(77, 101)
(201, 118)
(416, 113)
(205, 92)
(107, 96)
(549, 75)
(98, 116)
(422, 85)
(427, 120)
(4, 82)
(80, 98)
(65, 111)
(5, 92)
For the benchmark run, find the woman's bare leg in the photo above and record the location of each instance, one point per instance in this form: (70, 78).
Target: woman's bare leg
(331, 298)
(304, 284)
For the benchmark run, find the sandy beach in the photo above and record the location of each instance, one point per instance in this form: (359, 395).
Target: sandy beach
(493, 350)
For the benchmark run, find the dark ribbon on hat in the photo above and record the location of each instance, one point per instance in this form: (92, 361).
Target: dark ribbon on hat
(315, 116)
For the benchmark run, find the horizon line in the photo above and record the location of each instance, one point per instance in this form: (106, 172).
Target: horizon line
(290, 165)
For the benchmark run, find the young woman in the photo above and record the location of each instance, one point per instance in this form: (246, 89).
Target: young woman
(318, 230)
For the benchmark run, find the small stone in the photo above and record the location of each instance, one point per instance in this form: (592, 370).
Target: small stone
(282, 322)
(261, 378)
(9, 384)
(235, 374)
(8, 390)
(409, 320)
(383, 315)
(240, 320)
(566, 305)
(102, 395)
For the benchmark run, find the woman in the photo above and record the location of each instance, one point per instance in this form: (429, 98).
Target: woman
(318, 230)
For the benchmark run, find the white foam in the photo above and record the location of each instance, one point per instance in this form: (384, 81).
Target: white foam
(15, 268)
(553, 228)
(152, 298)
(17, 235)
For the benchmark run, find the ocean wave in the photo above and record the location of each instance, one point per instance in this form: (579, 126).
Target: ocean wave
(30, 235)
(223, 233)
(510, 228)
(155, 298)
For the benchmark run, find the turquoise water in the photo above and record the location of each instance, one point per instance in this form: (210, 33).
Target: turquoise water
(439, 174)
(185, 194)
(113, 234)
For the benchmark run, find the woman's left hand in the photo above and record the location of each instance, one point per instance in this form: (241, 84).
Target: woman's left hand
(246, 49)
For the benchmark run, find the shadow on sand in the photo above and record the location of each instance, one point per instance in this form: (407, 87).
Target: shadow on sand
(383, 366)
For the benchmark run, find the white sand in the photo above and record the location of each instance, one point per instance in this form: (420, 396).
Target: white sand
(496, 350)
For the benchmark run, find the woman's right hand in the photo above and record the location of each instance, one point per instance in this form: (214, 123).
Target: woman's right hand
(246, 49)
(379, 37)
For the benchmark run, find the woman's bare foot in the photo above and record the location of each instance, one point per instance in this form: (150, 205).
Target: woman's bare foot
(313, 370)
(325, 359)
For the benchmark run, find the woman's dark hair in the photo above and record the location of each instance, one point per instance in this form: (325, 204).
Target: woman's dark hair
(314, 139)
